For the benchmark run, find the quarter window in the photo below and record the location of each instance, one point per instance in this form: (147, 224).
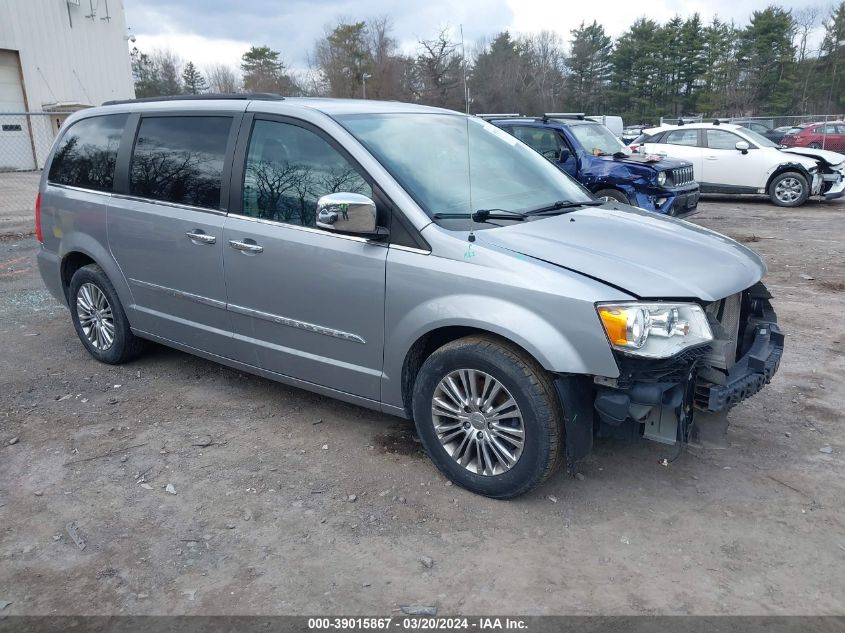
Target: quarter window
(180, 159)
(289, 168)
(87, 153)
(682, 137)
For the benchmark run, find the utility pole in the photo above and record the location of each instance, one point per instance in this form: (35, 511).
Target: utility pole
(364, 78)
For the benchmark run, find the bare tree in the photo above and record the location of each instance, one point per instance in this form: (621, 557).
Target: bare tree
(806, 20)
(222, 79)
(439, 73)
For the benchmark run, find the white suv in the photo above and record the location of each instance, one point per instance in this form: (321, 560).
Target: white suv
(729, 158)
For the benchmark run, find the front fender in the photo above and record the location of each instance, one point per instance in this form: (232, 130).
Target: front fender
(531, 304)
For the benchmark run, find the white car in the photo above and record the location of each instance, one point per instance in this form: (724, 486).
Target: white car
(732, 159)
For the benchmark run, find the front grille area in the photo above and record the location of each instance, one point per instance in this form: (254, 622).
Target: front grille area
(633, 369)
(682, 176)
(726, 313)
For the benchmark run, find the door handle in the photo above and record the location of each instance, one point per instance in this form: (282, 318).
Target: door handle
(711, 158)
(202, 238)
(244, 247)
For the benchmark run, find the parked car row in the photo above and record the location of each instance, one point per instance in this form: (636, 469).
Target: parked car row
(733, 159)
(590, 153)
(412, 260)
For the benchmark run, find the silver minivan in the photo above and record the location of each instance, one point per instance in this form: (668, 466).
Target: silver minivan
(408, 259)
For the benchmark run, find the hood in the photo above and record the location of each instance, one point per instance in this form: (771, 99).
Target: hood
(663, 164)
(825, 155)
(647, 255)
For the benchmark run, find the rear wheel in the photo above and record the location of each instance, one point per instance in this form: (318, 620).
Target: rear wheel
(612, 195)
(99, 319)
(487, 416)
(789, 189)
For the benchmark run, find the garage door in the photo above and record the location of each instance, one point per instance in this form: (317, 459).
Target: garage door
(15, 145)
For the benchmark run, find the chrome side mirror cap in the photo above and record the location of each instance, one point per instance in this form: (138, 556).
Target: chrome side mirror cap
(346, 212)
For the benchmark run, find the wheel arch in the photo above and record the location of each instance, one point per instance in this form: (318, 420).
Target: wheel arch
(433, 340)
(784, 167)
(78, 250)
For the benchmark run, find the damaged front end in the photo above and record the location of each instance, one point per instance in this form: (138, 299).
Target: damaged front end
(830, 174)
(665, 399)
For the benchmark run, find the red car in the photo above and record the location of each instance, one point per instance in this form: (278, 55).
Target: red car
(830, 135)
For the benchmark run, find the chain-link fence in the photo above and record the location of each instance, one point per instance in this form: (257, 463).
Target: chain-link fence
(25, 141)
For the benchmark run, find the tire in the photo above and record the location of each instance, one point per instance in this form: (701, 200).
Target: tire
(815, 145)
(612, 195)
(476, 359)
(789, 189)
(92, 295)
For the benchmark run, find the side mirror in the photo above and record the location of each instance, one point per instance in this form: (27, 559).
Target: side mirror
(346, 212)
(742, 146)
(564, 155)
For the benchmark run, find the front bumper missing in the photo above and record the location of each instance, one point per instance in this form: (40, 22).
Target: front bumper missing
(658, 399)
(749, 375)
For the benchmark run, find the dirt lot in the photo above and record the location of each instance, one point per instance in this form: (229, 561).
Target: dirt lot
(263, 520)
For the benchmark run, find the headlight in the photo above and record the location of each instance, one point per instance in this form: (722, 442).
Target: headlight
(654, 330)
(661, 178)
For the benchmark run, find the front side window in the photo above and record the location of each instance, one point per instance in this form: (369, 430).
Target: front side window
(719, 139)
(682, 137)
(452, 163)
(87, 153)
(180, 159)
(288, 168)
(543, 140)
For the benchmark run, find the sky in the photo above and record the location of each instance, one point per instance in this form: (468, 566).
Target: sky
(219, 31)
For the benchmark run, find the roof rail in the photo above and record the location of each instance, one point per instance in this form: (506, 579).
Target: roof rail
(240, 96)
(563, 115)
(496, 115)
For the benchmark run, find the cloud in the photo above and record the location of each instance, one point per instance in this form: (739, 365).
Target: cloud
(219, 31)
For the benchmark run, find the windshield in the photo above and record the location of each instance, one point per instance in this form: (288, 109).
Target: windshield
(597, 139)
(759, 139)
(431, 158)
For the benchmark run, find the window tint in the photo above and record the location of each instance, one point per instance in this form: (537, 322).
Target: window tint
(719, 139)
(288, 168)
(180, 159)
(543, 140)
(682, 137)
(88, 152)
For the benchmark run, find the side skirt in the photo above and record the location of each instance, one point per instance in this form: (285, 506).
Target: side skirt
(271, 375)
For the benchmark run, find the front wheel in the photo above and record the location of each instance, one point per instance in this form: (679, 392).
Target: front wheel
(487, 416)
(612, 195)
(815, 146)
(789, 189)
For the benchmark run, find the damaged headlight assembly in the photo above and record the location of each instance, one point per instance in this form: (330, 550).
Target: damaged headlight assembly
(654, 330)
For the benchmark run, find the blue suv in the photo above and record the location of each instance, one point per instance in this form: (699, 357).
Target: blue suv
(590, 153)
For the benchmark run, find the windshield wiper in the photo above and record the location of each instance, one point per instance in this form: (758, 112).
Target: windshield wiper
(560, 205)
(482, 215)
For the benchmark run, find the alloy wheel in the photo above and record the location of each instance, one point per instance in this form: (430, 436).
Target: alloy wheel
(95, 316)
(789, 190)
(478, 422)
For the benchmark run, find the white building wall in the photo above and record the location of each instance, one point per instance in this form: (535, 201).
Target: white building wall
(67, 57)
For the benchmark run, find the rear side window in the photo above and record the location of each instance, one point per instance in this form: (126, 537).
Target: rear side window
(682, 137)
(180, 159)
(88, 152)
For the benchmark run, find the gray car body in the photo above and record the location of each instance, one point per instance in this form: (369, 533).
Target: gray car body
(345, 329)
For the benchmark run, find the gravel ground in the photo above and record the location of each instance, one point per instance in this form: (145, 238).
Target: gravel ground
(290, 503)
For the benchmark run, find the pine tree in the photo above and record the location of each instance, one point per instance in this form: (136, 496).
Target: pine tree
(193, 83)
(589, 66)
